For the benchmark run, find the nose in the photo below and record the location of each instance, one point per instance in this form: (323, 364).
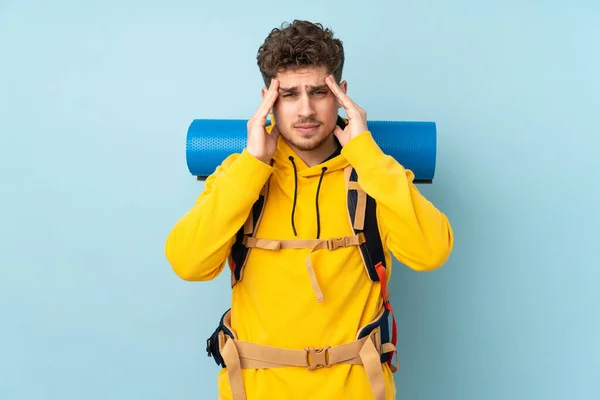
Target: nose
(305, 107)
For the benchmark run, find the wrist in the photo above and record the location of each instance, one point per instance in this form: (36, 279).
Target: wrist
(258, 156)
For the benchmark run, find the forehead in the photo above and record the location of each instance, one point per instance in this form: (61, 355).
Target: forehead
(301, 77)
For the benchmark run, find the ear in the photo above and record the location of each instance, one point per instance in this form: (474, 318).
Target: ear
(344, 86)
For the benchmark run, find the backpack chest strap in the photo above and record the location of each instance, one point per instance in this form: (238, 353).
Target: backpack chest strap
(313, 244)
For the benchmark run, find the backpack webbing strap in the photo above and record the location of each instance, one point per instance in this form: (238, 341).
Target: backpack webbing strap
(250, 223)
(313, 244)
(240, 355)
(361, 205)
(239, 252)
(362, 211)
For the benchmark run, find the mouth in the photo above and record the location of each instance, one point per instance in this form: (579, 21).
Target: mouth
(306, 129)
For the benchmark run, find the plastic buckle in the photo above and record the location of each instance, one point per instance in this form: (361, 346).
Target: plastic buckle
(317, 357)
(334, 244)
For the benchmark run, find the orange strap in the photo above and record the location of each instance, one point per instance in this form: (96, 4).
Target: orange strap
(381, 272)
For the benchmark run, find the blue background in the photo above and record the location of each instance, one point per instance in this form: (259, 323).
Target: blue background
(95, 101)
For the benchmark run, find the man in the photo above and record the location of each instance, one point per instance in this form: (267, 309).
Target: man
(307, 306)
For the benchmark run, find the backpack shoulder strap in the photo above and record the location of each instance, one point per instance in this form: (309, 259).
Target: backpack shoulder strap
(239, 251)
(362, 211)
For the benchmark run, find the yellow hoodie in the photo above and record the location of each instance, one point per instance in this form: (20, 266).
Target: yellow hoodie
(274, 304)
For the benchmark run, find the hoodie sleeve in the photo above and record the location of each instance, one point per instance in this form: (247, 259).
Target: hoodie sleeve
(412, 228)
(198, 245)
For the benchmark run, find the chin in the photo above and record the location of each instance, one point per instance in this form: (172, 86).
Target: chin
(307, 144)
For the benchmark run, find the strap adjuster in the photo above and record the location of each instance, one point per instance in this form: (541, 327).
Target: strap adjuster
(334, 244)
(317, 357)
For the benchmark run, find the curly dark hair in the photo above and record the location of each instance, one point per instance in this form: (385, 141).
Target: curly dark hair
(300, 44)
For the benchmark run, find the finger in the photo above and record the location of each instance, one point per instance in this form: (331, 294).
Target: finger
(355, 112)
(267, 103)
(334, 87)
(344, 100)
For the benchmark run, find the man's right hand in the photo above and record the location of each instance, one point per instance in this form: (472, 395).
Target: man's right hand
(261, 144)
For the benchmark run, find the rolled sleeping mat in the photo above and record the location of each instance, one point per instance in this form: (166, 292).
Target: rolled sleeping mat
(411, 143)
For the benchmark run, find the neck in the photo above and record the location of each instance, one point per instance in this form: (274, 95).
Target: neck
(316, 156)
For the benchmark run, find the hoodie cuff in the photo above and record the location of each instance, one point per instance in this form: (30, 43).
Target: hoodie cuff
(249, 173)
(362, 152)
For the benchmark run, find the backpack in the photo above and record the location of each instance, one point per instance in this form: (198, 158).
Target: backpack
(362, 210)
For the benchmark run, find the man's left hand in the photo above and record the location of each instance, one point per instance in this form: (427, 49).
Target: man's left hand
(357, 117)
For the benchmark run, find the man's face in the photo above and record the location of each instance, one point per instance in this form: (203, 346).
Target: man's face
(305, 110)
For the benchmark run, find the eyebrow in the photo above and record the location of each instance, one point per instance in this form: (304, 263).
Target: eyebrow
(312, 88)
